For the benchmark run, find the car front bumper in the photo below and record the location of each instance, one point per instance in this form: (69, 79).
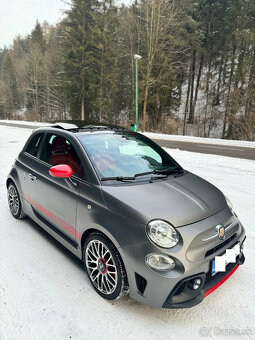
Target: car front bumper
(184, 297)
(193, 257)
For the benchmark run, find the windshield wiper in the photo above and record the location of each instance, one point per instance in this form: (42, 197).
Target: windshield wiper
(118, 178)
(159, 172)
(163, 173)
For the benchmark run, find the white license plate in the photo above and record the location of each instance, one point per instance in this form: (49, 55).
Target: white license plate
(219, 263)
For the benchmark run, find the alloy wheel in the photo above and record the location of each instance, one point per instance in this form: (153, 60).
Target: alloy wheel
(101, 267)
(13, 200)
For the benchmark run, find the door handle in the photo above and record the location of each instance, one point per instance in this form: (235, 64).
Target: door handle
(32, 177)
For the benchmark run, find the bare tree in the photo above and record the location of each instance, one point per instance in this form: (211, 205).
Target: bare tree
(156, 27)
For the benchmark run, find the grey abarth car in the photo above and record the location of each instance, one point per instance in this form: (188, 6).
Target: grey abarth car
(141, 223)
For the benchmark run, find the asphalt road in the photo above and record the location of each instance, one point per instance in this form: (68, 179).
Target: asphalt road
(222, 150)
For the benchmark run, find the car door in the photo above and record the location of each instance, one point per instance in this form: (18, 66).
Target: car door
(22, 165)
(54, 200)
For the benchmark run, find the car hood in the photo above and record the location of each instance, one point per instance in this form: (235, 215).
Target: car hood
(182, 200)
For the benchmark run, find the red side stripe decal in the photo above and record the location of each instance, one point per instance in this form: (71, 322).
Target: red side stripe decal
(55, 219)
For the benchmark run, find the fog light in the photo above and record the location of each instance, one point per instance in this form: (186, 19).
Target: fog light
(160, 262)
(195, 283)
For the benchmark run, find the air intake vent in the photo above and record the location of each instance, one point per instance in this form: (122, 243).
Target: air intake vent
(141, 283)
(219, 246)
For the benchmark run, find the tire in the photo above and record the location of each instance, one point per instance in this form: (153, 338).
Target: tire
(14, 201)
(105, 267)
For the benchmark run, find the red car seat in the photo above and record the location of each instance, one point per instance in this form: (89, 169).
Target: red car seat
(61, 154)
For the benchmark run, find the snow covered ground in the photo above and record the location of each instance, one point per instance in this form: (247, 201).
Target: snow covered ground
(21, 122)
(45, 294)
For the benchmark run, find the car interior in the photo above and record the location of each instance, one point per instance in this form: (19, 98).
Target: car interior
(59, 151)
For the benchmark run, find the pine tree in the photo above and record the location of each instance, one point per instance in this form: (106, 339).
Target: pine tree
(37, 36)
(82, 51)
(10, 96)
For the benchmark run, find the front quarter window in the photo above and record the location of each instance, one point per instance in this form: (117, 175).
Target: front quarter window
(34, 144)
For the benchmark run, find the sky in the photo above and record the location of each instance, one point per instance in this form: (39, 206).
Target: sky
(18, 17)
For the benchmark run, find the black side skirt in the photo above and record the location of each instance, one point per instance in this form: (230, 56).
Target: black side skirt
(56, 230)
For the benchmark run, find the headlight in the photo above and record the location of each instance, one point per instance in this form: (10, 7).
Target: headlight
(229, 203)
(162, 233)
(159, 262)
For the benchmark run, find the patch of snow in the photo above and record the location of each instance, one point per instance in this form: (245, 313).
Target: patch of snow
(22, 122)
(201, 140)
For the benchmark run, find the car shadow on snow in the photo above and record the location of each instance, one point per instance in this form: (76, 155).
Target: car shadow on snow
(53, 242)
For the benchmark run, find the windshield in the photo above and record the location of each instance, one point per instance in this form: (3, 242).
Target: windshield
(126, 154)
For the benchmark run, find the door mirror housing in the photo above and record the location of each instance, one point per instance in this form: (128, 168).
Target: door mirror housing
(61, 171)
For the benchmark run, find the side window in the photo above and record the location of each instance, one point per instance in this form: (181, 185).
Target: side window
(58, 150)
(34, 144)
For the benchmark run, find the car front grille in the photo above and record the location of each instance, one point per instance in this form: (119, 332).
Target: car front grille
(221, 245)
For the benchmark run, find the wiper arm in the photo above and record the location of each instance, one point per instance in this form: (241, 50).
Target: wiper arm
(156, 172)
(118, 178)
(152, 179)
(169, 171)
(144, 173)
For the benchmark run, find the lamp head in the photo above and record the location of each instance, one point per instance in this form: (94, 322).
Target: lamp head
(137, 56)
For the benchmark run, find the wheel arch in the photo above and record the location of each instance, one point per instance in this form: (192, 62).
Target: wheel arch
(109, 236)
(13, 177)
(8, 181)
(85, 235)
(100, 230)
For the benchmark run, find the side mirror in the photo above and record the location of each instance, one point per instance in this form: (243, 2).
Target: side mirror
(61, 170)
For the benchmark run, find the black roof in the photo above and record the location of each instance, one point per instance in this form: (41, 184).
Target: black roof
(85, 127)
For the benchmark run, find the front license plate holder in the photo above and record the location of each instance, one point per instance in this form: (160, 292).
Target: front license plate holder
(213, 271)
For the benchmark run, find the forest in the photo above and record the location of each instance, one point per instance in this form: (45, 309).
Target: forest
(196, 75)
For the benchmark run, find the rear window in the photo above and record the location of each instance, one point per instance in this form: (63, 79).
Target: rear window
(34, 144)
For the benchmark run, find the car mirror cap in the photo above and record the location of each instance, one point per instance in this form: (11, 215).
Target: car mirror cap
(61, 170)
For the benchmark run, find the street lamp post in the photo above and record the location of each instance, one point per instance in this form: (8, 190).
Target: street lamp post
(136, 57)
